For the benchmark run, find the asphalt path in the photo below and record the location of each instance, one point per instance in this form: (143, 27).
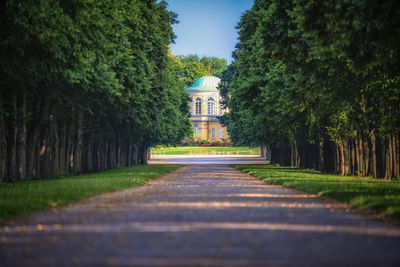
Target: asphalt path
(201, 215)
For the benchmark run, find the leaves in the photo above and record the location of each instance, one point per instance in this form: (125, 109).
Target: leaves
(109, 58)
(306, 70)
(193, 67)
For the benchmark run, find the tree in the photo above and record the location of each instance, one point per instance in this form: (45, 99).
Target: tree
(194, 67)
(218, 65)
(312, 78)
(191, 72)
(86, 86)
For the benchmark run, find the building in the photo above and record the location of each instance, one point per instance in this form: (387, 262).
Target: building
(205, 108)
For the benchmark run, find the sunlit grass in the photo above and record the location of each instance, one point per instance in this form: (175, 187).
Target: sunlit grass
(206, 150)
(380, 195)
(20, 198)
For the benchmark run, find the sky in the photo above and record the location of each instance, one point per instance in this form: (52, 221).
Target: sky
(207, 27)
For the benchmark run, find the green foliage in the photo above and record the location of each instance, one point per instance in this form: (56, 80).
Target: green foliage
(218, 65)
(99, 71)
(205, 141)
(194, 67)
(192, 71)
(20, 198)
(307, 70)
(363, 193)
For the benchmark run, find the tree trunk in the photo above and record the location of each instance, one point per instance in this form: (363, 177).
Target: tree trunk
(366, 158)
(105, 153)
(33, 141)
(97, 155)
(22, 137)
(346, 157)
(54, 145)
(394, 163)
(373, 154)
(273, 154)
(148, 153)
(70, 151)
(357, 152)
(70, 144)
(114, 161)
(78, 144)
(90, 157)
(342, 158)
(337, 159)
(37, 151)
(292, 156)
(136, 157)
(321, 154)
(383, 156)
(388, 161)
(361, 156)
(380, 157)
(63, 149)
(125, 155)
(43, 155)
(119, 152)
(121, 149)
(130, 152)
(397, 174)
(268, 153)
(3, 145)
(12, 137)
(143, 155)
(352, 158)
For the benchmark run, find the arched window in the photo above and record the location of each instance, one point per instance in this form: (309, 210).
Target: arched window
(198, 106)
(210, 106)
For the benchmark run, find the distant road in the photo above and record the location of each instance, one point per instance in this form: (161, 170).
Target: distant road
(207, 159)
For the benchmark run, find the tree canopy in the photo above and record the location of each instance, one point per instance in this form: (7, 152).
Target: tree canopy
(194, 67)
(318, 83)
(86, 85)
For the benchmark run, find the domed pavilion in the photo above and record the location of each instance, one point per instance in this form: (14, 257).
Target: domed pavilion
(205, 108)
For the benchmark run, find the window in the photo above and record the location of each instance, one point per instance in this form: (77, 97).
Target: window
(212, 133)
(210, 106)
(196, 129)
(221, 133)
(198, 106)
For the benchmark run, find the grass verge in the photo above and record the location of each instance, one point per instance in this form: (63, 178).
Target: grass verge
(382, 196)
(20, 198)
(206, 150)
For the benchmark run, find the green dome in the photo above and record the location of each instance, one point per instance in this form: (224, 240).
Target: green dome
(205, 83)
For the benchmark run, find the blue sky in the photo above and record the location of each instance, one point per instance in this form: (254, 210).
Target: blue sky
(207, 27)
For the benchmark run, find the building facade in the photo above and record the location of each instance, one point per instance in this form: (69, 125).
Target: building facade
(205, 108)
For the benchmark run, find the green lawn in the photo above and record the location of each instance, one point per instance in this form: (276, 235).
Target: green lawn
(206, 150)
(382, 196)
(20, 198)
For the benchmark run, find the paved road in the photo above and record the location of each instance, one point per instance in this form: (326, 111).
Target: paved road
(207, 159)
(201, 215)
